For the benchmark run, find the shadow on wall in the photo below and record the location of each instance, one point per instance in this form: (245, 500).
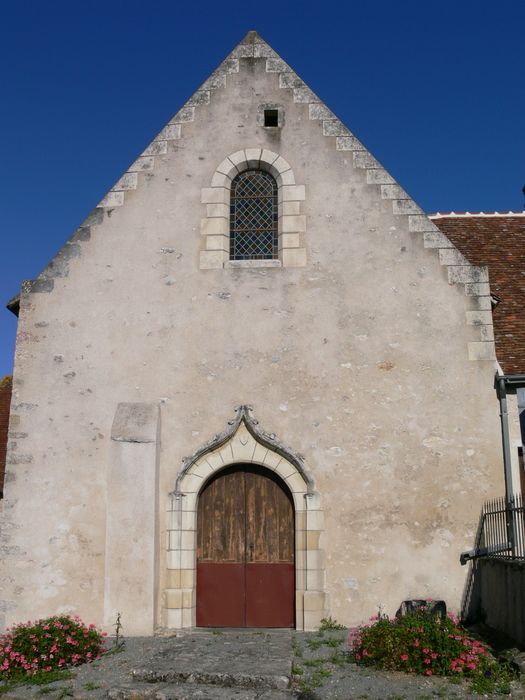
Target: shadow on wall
(5, 403)
(493, 593)
(471, 599)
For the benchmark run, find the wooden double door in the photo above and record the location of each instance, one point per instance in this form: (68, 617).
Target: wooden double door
(245, 551)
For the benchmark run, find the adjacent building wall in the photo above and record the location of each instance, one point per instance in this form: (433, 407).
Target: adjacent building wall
(373, 359)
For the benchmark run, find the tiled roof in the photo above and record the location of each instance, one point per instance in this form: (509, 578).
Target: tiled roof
(497, 241)
(440, 214)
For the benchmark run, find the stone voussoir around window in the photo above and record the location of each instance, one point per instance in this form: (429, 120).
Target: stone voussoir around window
(215, 226)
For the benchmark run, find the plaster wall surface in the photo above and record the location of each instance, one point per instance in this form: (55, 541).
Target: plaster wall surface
(358, 361)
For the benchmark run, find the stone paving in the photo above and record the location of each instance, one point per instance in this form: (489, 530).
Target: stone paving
(203, 665)
(241, 665)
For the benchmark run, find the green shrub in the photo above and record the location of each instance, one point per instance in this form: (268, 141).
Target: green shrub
(328, 623)
(428, 645)
(48, 645)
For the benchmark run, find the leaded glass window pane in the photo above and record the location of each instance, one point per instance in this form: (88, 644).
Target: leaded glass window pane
(253, 217)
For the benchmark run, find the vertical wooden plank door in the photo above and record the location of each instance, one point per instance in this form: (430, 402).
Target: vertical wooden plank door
(245, 551)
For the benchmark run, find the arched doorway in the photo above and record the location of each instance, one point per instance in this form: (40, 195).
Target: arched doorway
(245, 550)
(243, 443)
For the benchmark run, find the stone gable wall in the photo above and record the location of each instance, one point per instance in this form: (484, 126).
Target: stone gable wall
(372, 358)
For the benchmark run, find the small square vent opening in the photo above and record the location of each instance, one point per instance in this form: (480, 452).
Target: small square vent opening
(271, 117)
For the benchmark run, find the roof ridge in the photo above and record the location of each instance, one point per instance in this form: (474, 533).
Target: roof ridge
(465, 214)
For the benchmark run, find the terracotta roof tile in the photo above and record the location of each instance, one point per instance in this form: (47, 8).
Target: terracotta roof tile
(497, 241)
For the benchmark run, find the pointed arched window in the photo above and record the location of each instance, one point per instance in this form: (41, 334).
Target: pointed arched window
(253, 217)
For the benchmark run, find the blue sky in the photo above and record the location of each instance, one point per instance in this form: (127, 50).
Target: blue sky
(436, 90)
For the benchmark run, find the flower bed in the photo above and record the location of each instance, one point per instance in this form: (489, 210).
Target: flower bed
(428, 645)
(48, 645)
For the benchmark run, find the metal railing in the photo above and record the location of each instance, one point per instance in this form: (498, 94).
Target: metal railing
(502, 530)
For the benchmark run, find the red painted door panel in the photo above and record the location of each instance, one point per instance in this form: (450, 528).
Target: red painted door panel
(270, 595)
(245, 551)
(220, 595)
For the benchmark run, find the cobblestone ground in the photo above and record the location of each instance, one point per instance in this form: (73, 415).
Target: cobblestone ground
(241, 665)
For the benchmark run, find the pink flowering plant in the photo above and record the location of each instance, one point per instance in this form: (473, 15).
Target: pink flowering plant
(429, 645)
(47, 646)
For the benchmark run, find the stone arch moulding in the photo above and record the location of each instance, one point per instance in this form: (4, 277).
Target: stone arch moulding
(215, 226)
(243, 442)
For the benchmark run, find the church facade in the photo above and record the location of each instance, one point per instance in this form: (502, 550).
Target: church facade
(255, 388)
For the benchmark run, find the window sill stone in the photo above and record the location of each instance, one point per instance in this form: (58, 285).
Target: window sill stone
(252, 263)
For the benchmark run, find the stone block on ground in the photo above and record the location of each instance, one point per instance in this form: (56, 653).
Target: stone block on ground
(432, 607)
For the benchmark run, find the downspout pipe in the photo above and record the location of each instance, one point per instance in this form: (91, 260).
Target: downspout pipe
(505, 384)
(501, 391)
